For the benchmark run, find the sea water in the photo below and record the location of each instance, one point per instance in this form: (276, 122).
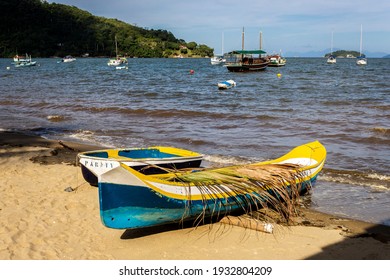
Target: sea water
(176, 102)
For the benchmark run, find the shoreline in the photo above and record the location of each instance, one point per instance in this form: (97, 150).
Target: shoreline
(41, 220)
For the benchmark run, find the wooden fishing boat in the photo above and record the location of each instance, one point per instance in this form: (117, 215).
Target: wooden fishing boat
(129, 199)
(151, 160)
(245, 62)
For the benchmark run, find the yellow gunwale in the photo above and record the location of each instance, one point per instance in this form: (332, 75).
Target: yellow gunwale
(313, 151)
(113, 154)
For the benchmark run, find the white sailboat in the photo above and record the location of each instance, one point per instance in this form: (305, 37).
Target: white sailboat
(361, 60)
(331, 58)
(118, 60)
(218, 59)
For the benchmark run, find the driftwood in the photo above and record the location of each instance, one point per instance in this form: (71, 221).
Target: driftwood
(248, 223)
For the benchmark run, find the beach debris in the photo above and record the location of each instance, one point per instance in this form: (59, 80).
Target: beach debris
(248, 223)
(69, 189)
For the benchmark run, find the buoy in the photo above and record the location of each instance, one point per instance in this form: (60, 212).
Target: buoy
(279, 75)
(8, 67)
(192, 71)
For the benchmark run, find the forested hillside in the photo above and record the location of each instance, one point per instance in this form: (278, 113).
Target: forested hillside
(343, 53)
(43, 30)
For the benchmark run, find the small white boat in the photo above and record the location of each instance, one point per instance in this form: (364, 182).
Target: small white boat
(361, 60)
(226, 84)
(24, 61)
(121, 67)
(118, 60)
(331, 60)
(68, 58)
(217, 60)
(276, 60)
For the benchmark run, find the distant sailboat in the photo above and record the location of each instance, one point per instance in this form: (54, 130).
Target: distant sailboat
(118, 60)
(218, 59)
(361, 60)
(331, 58)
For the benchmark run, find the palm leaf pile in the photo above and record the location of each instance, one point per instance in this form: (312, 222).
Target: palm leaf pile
(251, 187)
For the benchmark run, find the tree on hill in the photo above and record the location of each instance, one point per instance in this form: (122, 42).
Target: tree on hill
(343, 53)
(44, 30)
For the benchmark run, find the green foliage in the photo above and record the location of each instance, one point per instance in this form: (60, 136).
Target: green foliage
(43, 29)
(344, 53)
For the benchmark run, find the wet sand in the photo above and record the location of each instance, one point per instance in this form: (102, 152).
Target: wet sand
(48, 212)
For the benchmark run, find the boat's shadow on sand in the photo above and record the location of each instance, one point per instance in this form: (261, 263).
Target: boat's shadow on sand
(142, 232)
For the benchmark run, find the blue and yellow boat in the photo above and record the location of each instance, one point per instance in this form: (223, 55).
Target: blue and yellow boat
(150, 160)
(129, 199)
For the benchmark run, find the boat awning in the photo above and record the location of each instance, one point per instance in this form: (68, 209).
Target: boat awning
(249, 52)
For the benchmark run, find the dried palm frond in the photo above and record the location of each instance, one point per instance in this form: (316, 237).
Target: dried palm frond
(250, 187)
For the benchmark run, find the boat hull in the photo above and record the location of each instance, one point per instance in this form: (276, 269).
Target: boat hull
(243, 67)
(131, 200)
(129, 207)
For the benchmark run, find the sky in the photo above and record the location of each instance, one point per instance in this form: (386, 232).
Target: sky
(291, 27)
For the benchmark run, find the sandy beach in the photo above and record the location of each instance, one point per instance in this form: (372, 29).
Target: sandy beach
(48, 212)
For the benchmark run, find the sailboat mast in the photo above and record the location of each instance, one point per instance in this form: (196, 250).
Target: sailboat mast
(261, 40)
(116, 48)
(222, 44)
(361, 38)
(331, 45)
(242, 43)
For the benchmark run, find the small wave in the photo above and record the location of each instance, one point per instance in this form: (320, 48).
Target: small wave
(56, 118)
(378, 182)
(10, 102)
(385, 108)
(84, 136)
(220, 160)
(336, 103)
(381, 130)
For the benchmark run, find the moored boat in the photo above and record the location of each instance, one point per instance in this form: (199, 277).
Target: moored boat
(331, 60)
(215, 60)
(226, 84)
(276, 60)
(245, 62)
(129, 199)
(118, 60)
(151, 160)
(68, 58)
(361, 59)
(20, 58)
(24, 61)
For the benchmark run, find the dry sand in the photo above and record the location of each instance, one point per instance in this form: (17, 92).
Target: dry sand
(40, 220)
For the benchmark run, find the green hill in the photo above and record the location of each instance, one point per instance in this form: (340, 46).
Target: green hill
(343, 53)
(43, 30)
